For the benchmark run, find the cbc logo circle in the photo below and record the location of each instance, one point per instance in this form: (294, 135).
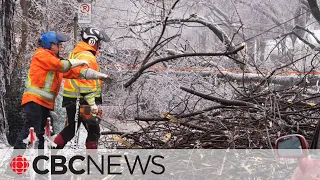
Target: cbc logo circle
(19, 164)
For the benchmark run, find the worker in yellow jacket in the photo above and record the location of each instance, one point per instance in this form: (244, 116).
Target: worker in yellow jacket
(45, 75)
(89, 91)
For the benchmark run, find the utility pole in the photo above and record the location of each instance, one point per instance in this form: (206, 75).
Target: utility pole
(75, 28)
(46, 19)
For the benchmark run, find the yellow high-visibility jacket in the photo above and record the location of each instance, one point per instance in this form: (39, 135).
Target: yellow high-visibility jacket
(74, 87)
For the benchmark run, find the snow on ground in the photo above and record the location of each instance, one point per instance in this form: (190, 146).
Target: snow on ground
(109, 113)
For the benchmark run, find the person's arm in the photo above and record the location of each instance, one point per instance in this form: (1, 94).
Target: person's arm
(51, 63)
(86, 73)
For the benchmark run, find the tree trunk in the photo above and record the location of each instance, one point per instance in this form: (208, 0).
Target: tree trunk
(6, 17)
(15, 91)
(315, 11)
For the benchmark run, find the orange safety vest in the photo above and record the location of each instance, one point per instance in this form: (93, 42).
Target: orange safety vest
(72, 87)
(45, 77)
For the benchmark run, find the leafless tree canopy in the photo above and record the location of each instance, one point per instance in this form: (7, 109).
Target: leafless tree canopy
(189, 74)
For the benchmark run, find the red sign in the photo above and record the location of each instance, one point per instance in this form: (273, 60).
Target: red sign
(84, 13)
(84, 8)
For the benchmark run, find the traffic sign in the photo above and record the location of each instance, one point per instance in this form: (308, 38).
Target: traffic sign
(84, 13)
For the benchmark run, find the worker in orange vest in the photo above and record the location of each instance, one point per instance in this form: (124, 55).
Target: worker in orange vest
(45, 75)
(89, 91)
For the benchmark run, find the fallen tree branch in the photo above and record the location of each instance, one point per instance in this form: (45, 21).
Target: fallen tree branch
(189, 125)
(146, 66)
(220, 100)
(285, 80)
(111, 132)
(274, 71)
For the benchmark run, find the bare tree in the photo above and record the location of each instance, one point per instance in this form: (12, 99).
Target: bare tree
(6, 34)
(176, 59)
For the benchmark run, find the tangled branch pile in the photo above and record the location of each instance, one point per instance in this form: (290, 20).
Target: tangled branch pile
(252, 120)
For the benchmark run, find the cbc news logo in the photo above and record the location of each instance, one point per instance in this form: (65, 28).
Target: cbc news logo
(19, 164)
(90, 165)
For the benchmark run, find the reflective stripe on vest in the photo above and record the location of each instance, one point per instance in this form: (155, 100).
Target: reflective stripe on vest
(85, 53)
(72, 93)
(65, 65)
(89, 88)
(48, 81)
(45, 92)
(83, 88)
(39, 92)
(82, 71)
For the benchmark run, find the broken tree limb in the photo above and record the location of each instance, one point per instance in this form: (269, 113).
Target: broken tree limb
(111, 133)
(146, 66)
(275, 70)
(285, 80)
(237, 126)
(220, 100)
(188, 115)
(189, 125)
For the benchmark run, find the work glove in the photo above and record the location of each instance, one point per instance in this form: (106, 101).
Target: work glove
(92, 74)
(77, 62)
(94, 109)
(107, 79)
(91, 101)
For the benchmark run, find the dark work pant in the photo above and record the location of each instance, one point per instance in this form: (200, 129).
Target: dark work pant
(69, 131)
(36, 117)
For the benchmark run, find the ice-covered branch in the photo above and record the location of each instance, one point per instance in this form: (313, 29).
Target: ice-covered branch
(146, 66)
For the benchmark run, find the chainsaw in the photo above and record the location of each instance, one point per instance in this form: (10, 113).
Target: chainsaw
(91, 118)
